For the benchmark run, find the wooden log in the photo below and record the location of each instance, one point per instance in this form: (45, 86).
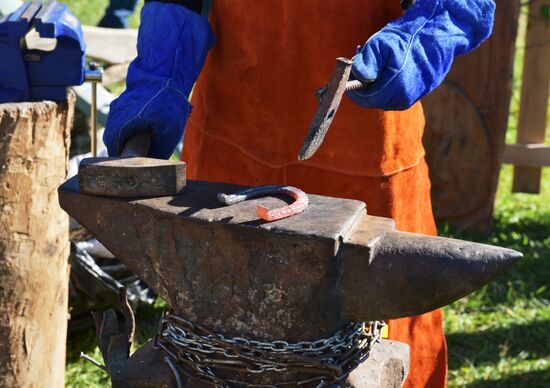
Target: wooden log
(466, 120)
(34, 243)
(534, 95)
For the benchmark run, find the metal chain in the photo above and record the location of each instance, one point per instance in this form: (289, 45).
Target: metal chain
(198, 353)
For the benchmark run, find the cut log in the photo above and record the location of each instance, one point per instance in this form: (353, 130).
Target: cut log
(34, 243)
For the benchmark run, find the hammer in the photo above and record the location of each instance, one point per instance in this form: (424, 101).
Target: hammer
(132, 174)
(329, 96)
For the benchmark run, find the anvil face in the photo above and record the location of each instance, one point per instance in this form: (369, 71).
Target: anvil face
(297, 278)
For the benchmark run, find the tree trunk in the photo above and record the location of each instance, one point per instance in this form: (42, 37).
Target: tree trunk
(34, 243)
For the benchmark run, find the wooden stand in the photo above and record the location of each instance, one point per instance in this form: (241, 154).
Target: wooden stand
(34, 243)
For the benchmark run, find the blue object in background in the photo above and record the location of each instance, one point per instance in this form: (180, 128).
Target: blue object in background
(411, 56)
(118, 13)
(32, 74)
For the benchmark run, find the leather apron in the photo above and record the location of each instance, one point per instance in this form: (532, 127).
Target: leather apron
(253, 104)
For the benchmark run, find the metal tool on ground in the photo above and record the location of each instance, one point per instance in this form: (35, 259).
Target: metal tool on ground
(329, 100)
(43, 67)
(132, 174)
(299, 205)
(301, 278)
(115, 341)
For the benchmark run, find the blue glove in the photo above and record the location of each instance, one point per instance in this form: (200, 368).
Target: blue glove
(411, 56)
(172, 46)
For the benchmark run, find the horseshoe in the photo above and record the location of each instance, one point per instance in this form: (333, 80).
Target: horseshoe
(300, 203)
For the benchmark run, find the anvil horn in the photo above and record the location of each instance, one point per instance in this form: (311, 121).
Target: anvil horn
(410, 274)
(300, 277)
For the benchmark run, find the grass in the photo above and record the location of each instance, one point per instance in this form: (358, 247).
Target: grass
(497, 337)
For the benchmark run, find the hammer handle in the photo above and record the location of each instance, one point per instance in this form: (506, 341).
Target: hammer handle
(137, 145)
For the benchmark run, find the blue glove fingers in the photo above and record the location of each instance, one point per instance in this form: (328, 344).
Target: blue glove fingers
(412, 55)
(167, 134)
(169, 103)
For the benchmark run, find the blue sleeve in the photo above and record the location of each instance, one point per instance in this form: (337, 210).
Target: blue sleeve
(411, 56)
(173, 43)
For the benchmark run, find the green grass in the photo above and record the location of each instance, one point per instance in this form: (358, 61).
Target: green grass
(497, 337)
(500, 335)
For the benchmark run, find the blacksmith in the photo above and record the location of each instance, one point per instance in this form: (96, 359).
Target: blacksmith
(253, 103)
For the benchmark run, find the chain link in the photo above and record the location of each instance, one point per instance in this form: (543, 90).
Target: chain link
(198, 353)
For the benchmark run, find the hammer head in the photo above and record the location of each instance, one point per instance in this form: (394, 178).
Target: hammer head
(131, 177)
(329, 100)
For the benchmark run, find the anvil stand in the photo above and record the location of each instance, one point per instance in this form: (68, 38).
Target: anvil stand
(298, 279)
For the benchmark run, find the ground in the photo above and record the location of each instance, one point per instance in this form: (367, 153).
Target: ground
(497, 337)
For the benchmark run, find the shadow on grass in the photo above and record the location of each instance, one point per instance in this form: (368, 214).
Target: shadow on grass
(489, 346)
(535, 379)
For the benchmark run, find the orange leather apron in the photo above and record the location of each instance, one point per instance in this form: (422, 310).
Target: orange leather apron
(253, 104)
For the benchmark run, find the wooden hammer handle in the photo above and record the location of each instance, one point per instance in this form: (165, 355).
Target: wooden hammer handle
(137, 145)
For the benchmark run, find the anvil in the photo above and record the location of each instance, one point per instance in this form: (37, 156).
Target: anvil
(299, 278)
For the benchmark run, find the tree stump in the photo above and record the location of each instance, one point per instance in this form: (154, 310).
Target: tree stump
(34, 243)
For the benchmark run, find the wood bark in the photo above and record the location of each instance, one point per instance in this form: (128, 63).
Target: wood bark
(34, 243)
(466, 121)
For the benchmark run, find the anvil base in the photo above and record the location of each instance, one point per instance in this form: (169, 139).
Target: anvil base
(387, 366)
